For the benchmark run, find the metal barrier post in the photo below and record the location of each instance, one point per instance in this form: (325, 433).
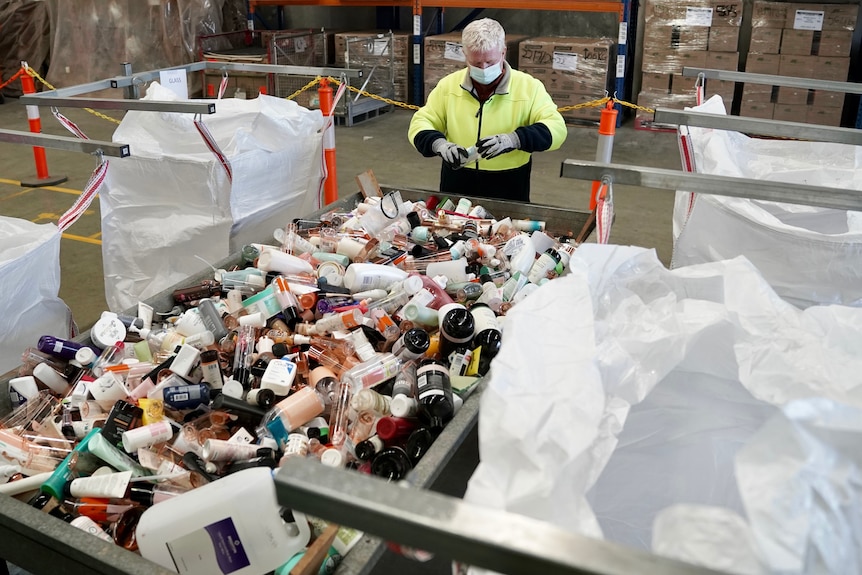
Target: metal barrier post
(28, 86)
(330, 185)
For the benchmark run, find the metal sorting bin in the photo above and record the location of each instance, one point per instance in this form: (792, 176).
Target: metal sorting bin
(40, 543)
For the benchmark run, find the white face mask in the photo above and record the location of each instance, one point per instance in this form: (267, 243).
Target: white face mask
(486, 75)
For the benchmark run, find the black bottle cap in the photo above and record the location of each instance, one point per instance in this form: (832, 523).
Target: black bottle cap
(441, 243)
(417, 340)
(237, 406)
(325, 286)
(258, 368)
(280, 350)
(414, 220)
(142, 493)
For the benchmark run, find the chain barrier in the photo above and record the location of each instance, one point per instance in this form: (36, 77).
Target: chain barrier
(36, 75)
(591, 104)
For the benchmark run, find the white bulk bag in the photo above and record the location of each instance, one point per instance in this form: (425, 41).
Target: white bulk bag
(808, 255)
(30, 283)
(677, 411)
(171, 202)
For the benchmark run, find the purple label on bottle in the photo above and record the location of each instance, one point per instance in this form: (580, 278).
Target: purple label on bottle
(228, 547)
(215, 547)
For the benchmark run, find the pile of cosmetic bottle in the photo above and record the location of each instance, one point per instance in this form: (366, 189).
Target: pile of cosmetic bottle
(353, 339)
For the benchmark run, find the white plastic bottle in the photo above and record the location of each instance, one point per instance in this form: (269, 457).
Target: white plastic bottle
(231, 525)
(364, 276)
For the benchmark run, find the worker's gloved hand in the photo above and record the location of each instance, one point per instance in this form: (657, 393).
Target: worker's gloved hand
(493, 146)
(454, 155)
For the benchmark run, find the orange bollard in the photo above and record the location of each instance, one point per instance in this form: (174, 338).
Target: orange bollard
(28, 86)
(330, 185)
(605, 146)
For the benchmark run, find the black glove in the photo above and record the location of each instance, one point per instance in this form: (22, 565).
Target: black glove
(454, 155)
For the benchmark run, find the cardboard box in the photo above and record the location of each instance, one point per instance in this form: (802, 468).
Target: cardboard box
(556, 53)
(646, 120)
(797, 42)
(840, 17)
(682, 86)
(763, 63)
(723, 39)
(827, 99)
(829, 68)
(834, 43)
(793, 18)
(577, 82)
(722, 60)
(824, 116)
(592, 113)
(790, 112)
(249, 82)
(671, 61)
(447, 47)
(797, 66)
(654, 82)
(756, 93)
(769, 14)
(788, 95)
(755, 109)
(677, 37)
(725, 13)
(765, 40)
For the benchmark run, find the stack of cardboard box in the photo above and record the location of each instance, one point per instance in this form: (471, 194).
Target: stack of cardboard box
(376, 50)
(687, 33)
(805, 41)
(444, 55)
(573, 70)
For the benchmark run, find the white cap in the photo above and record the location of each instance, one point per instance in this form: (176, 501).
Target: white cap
(85, 356)
(56, 382)
(332, 457)
(253, 319)
(403, 406)
(232, 388)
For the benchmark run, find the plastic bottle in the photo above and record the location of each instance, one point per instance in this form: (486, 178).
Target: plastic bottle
(547, 262)
(364, 276)
(293, 411)
(230, 525)
(370, 400)
(373, 372)
(58, 347)
(434, 392)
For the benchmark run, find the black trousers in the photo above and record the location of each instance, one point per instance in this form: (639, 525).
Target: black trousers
(502, 185)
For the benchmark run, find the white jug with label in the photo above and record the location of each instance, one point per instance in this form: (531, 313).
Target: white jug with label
(230, 526)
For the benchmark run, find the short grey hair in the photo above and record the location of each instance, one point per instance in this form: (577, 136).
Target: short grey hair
(483, 35)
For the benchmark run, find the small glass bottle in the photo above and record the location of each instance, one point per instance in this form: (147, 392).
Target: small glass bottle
(391, 463)
(434, 394)
(456, 329)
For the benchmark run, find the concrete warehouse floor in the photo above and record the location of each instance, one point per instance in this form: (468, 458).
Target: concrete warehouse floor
(643, 217)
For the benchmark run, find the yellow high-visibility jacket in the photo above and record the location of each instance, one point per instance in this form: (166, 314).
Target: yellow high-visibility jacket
(519, 104)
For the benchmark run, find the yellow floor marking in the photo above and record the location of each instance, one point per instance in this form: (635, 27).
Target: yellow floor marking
(84, 239)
